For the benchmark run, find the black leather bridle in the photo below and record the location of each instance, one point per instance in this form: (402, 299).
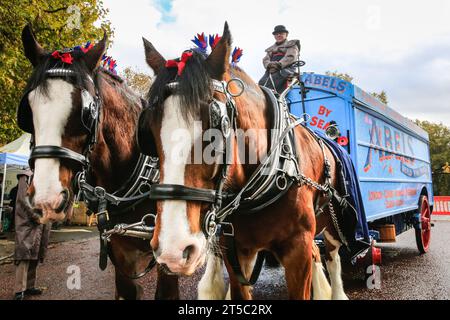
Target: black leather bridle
(90, 114)
(89, 119)
(214, 224)
(97, 198)
(222, 116)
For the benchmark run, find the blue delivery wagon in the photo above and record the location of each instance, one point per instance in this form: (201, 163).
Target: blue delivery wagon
(389, 152)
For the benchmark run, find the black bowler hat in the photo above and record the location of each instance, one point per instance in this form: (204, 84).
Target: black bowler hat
(280, 29)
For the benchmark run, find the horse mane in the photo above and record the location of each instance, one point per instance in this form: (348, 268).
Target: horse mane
(194, 87)
(120, 86)
(112, 75)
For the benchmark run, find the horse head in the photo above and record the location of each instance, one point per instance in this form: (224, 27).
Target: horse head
(186, 115)
(60, 110)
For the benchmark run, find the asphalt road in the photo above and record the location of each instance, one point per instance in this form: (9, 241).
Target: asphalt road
(404, 273)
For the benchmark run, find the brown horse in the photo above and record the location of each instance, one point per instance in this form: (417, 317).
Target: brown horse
(57, 94)
(181, 101)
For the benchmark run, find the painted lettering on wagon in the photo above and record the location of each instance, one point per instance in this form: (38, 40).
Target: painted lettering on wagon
(318, 122)
(392, 198)
(332, 83)
(321, 123)
(389, 142)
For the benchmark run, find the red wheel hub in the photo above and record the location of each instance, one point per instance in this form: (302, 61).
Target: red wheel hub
(425, 219)
(376, 255)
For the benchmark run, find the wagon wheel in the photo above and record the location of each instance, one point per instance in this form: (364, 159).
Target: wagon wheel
(423, 232)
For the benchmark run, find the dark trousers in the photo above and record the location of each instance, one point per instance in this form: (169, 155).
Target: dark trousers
(25, 275)
(279, 79)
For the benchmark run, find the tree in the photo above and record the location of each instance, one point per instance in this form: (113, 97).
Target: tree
(446, 168)
(138, 81)
(57, 24)
(343, 76)
(440, 154)
(382, 96)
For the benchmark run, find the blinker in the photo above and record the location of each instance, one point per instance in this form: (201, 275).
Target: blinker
(89, 110)
(218, 117)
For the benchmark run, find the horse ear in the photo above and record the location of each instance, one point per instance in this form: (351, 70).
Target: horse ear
(154, 59)
(33, 51)
(144, 135)
(218, 60)
(94, 56)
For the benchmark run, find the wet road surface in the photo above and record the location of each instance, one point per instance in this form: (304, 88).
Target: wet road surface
(404, 273)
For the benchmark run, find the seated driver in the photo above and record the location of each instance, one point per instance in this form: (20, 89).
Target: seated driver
(279, 60)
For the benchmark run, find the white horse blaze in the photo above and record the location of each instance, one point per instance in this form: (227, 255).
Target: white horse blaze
(50, 114)
(175, 233)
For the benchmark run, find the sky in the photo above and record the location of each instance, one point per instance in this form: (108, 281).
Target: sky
(402, 47)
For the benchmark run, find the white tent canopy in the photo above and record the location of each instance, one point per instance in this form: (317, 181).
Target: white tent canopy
(20, 147)
(15, 156)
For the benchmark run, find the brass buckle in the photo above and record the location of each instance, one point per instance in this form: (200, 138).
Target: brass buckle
(102, 212)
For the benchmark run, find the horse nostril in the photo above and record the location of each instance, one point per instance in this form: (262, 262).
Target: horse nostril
(188, 251)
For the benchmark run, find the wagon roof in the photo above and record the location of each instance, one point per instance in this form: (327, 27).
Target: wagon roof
(349, 91)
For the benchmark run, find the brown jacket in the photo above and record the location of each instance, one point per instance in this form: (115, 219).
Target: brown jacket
(31, 237)
(290, 48)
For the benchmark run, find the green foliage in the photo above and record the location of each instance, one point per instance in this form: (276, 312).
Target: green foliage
(55, 26)
(343, 76)
(138, 81)
(446, 168)
(382, 96)
(440, 155)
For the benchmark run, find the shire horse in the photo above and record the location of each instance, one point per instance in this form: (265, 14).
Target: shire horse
(50, 110)
(184, 93)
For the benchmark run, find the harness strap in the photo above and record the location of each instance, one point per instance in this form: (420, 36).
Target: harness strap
(234, 204)
(103, 225)
(330, 193)
(233, 259)
(56, 152)
(92, 194)
(150, 266)
(181, 192)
